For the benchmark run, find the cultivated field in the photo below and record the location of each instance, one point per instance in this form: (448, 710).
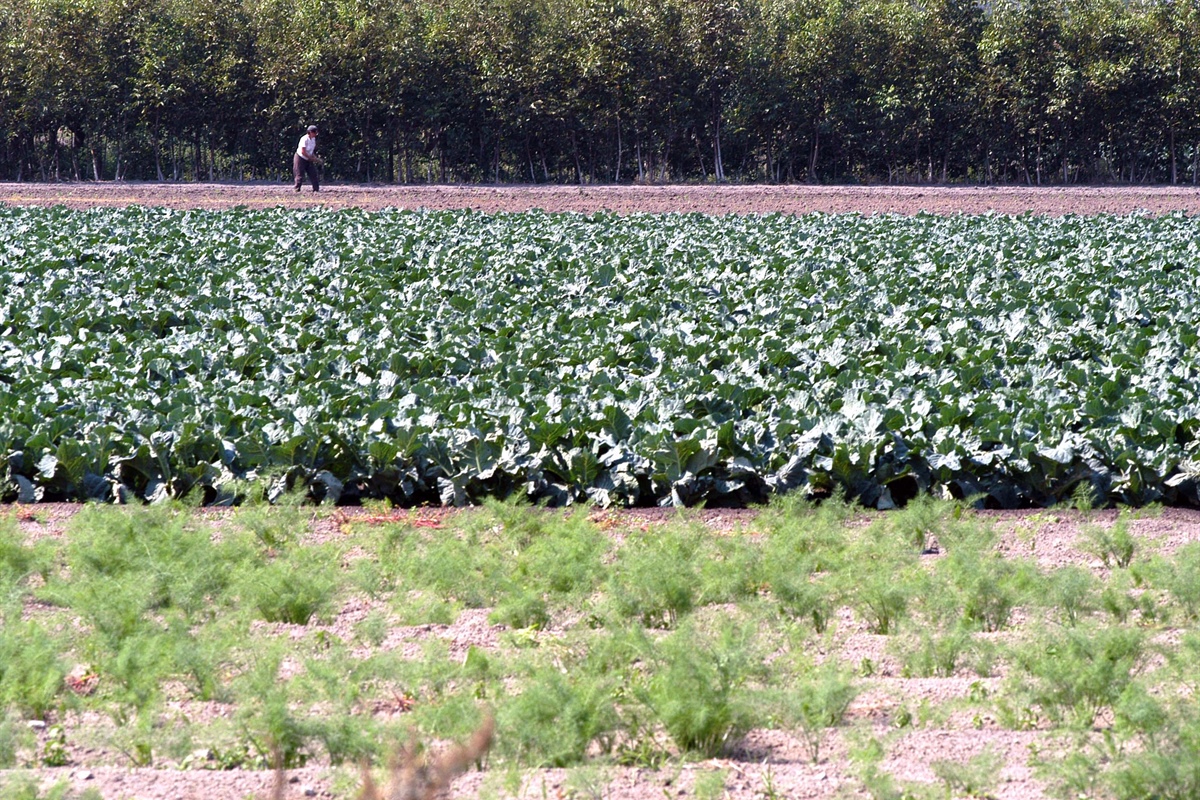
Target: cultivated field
(755, 199)
(791, 649)
(789, 652)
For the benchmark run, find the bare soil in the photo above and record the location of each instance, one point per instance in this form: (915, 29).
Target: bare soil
(765, 764)
(749, 199)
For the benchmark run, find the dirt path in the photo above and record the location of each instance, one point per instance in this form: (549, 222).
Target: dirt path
(625, 199)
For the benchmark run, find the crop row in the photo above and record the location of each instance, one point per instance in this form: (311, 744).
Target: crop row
(613, 645)
(675, 359)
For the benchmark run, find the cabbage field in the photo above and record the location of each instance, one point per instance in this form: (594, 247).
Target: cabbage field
(624, 360)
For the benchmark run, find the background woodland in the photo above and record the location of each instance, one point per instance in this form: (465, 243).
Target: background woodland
(597, 91)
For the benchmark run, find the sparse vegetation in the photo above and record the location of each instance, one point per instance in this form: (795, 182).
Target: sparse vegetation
(648, 646)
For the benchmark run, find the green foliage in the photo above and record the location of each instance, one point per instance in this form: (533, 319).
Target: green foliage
(880, 578)
(983, 587)
(656, 575)
(273, 527)
(266, 716)
(31, 667)
(555, 718)
(1179, 575)
(1075, 673)
(1114, 544)
(975, 777)
(595, 382)
(1073, 593)
(18, 560)
(710, 784)
(815, 699)
(126, 564)
(293, 587)
(747, 77)
(697, 687)
(20, 785)
(928, 654)
(15, 736)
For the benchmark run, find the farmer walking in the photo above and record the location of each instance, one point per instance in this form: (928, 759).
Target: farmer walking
(306, 160)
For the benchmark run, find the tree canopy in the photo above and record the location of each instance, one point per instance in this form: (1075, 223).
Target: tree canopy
(1030, 91)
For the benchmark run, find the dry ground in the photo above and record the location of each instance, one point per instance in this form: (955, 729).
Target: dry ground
(625, 199)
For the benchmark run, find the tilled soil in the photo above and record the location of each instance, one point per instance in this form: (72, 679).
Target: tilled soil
(766, 763)
(742, 199)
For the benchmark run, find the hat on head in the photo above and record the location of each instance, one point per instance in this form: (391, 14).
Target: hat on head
(312, 128)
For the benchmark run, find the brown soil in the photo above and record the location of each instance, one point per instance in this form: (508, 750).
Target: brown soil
(625, 199)
(764, 762)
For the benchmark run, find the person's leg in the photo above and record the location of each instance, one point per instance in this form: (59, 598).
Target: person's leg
(298, 169)
(314, 175)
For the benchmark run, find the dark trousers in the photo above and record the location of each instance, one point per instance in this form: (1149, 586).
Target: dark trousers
(302, 167)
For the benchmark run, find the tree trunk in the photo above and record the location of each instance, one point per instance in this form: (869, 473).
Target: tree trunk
(617, 171)
(575, 155)
(718, 163)
(814, 152)
(1174, 173)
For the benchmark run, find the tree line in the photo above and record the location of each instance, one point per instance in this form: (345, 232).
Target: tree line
(906, 91)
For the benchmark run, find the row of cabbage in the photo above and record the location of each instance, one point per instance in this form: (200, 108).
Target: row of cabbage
(667, 359)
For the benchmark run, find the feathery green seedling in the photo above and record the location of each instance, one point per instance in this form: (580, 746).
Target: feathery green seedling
(975, 777)
(1072, 592)
(879, 578)
(1073, 674)
(31, 669)
(1114, 545)
(804, 594)
(27, 786)
(656, 575)
(1179, 575)
(795, 529)
(588, 782)
(814, 699)
(730, 569)
(274, 526)
(154, 557)
(1164, 762)
(294, 587)
(928, 654)
(265, 714)
(983, 587)
(697, 685)
(15, 737)
(920, 521)
(709, 784)
(554, 718)
(463, 566)
(1084, 498)
(18, 560)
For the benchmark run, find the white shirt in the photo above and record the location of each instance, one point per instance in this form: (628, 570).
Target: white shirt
(307, 147)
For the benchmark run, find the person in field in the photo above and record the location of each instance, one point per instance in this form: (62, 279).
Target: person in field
(306, 160)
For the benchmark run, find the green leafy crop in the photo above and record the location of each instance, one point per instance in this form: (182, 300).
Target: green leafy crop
(671, 359)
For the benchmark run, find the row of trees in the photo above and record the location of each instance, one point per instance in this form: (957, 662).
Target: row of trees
(1031, 91)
